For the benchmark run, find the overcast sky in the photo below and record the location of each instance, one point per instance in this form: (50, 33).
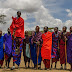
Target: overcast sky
(49, 13)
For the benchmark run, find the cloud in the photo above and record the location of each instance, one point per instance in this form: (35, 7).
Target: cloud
(69, 13)
(23, 5)
(30, 9)
(44, 18)
(68, 23)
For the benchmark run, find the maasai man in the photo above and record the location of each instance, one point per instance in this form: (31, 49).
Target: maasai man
(69, 48)
(1, 49)
(55, 51)
(46, 47)
(26, 49)
(31, 46)
(17, 27)
(8, 47)
(37, 43)
(62, 36)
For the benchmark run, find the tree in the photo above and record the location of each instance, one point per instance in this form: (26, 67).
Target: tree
(2, 21)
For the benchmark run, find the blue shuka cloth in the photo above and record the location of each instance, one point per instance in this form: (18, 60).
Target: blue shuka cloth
(69, 49)
(33, 53)
(8, 44)
(1, 48)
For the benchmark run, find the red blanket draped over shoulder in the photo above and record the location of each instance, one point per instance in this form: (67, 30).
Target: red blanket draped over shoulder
(46, 46)
(17, 24)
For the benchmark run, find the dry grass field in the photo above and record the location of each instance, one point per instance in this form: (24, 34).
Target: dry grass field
(22, 69)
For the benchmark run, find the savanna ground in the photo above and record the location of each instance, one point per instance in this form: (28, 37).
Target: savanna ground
(22, 67)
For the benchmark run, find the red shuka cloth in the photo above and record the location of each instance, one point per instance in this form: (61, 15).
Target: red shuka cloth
(17, 24)
(46, 46)
(55, 60)
(46, 63)
(71, 67)
(62, 51)
(1, 62)
(6, 57)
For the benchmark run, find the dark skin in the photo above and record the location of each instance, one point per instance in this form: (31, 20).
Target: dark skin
(26, 33)
(64, 29)
(8, 30)
(45, 29)
(55, 30)
(0, 33)
(71, 29)
(18, 14)
(37, 29)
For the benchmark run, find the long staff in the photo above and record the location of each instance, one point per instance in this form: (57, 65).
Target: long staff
(4, 54)
(37, 55)
(30, 55)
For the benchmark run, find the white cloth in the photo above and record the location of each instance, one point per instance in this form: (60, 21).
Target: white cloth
(27, 51)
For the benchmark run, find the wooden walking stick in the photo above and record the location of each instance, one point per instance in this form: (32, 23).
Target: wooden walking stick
(30, 56)
(4, 54)
(65, 51)
(37, 55)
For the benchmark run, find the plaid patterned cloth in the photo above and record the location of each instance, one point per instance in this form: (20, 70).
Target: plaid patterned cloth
(17, 58)
(54, 53)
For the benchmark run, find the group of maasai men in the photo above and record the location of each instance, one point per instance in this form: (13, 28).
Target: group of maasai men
(36, 47)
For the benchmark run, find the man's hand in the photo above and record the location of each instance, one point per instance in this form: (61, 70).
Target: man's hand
(38, 43)
(14, 32)
(3, 46)
(34, 42)
(65, 37)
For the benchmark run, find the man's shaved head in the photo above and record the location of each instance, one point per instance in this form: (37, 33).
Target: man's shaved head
(37, 28)
(71, 29)
(56, 29)
(64, 28)
(26, 33)
(19, 13)
(45, 29)
(8, 30)
(0, 33)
